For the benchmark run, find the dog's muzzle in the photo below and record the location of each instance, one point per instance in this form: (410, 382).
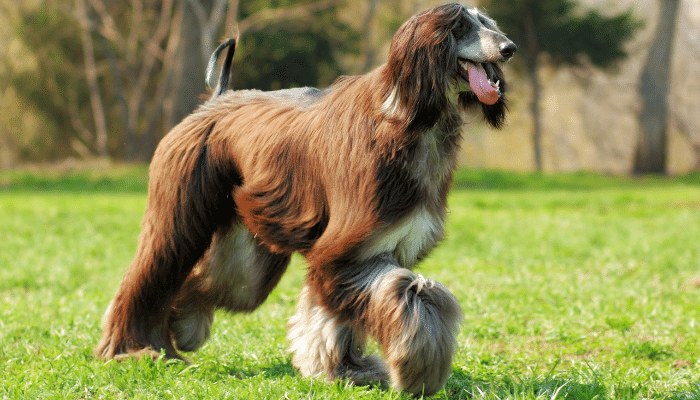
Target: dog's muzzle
(486, 90)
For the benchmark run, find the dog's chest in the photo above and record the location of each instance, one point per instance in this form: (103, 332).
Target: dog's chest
(411, 237)
(408, 239)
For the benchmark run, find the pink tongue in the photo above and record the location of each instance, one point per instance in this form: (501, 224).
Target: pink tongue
(484, 90)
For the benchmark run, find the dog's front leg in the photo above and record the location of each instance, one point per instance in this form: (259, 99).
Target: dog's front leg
(323, 344)
(415, 320)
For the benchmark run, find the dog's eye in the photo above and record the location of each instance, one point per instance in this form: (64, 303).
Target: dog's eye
(461, 29)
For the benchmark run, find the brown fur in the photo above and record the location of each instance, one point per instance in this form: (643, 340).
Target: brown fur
(355, 178)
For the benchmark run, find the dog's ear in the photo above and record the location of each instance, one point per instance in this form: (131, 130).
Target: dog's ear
(421, 59)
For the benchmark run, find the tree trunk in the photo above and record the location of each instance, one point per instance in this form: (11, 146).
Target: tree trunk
(533, 70)
(161, 109)
(201, 19)
(91, 77)
(654, 88)
(370, 48)
(189, 83)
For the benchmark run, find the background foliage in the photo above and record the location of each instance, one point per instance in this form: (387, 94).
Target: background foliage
(93, 78)
(109, 79)
(292, 54)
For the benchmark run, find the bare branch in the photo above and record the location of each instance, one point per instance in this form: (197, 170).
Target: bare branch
(232, 18)
(81, 148)
(132, 41)
(264, 18)
(370, 50)
(108, 28)
(162, 107)
(91, 77)
(199, 12)
(148, 62)
(83, 133)
(215, 20)
(208, 25)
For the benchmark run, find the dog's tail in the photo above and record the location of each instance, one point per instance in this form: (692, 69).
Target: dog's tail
(225, 76)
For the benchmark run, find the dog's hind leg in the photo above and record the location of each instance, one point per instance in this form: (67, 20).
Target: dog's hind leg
(237, 273)
(189, 200)
(323, 345)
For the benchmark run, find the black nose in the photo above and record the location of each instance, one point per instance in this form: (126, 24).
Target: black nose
(508, 49)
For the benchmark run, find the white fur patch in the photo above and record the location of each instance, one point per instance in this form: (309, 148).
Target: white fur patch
(431, 165)
(193, 330)
(392, 104)
(231, 268)
(406, 239)
(312, 336)
(323, 346)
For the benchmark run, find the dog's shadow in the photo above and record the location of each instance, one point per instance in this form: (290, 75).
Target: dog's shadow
(279, 370)
(233, 369)
(284, 368)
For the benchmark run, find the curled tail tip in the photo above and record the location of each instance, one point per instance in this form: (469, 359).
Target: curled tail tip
(224, 76)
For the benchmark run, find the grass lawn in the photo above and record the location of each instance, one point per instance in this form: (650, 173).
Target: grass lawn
(572, 286)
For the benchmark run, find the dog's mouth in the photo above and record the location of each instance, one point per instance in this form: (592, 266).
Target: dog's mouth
(483, 86)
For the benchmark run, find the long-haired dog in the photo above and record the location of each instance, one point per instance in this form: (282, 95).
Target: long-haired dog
(354, 177)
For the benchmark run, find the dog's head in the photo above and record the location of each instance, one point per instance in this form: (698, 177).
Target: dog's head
(446, 57)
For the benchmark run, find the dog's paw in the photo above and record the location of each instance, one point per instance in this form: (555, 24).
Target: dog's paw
(366, 371)
(417, 321)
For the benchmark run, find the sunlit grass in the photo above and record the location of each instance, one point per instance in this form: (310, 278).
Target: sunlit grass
(572, 287)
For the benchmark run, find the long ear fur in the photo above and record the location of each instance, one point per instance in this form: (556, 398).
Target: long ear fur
(421, 59)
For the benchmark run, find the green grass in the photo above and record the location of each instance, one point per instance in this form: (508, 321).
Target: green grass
(573, 287)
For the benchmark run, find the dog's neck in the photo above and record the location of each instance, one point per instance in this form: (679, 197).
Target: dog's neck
(435, 158)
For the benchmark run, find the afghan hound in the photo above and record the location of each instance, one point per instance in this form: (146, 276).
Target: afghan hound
(354, 177)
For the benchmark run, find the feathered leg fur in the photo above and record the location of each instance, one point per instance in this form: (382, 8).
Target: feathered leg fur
(324, 345)
(189, 201)
(415, 320)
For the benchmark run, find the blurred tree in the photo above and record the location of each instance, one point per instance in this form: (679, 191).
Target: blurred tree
(289, 43)
(51, 85)
(99, 64)
(655, 83)
(201, 21)
(567, 35)
(276, 37)
(112, 77)
(91, 77)
(369, 27)
(137, 55)
(283, 43)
